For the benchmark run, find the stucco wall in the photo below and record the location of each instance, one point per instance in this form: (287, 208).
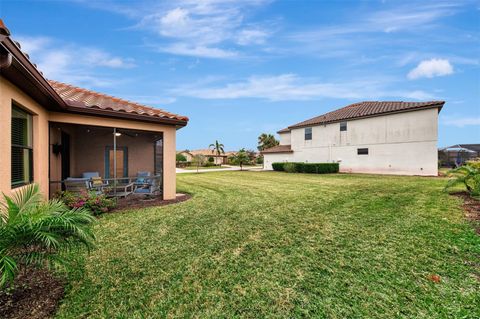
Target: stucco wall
(403, 143)
(268, 159)
(8, 94)
(285, 138)
(41, 148)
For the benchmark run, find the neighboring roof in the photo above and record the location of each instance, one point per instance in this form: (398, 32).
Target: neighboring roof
(470, 147)
(367, 109)
(278, 149)
(16, 66)
(284, 130)
(206, 152)
(82, 98)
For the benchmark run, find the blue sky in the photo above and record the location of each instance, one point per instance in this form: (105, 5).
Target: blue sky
(241, 68)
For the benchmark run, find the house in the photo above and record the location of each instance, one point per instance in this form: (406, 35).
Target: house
(366, 137)
(452, 156)
(207, 153)
(52, 131)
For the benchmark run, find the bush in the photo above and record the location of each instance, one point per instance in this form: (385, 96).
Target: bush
(467, 176)
(259, 160)
(475, 163)
(181, 158)
(278, 167)
(209, 164)
(211, 159)
(312, 168)
(32, 231)
(96, 203)
(290, 167)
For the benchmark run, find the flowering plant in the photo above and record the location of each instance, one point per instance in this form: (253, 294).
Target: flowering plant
(96, 203)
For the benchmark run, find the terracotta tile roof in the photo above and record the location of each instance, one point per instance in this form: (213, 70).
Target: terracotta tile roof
(278, 149)
(81, 98)
(284, 130)
(205, 152)
(367, 109)
(3, 29)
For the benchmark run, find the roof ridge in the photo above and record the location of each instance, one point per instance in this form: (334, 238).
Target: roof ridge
(146, 108)
(366, 108)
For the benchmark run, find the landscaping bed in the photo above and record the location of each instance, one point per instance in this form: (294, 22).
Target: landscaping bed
(35, 295)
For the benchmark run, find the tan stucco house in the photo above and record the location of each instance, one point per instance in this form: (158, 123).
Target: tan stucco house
(379, 137)
(52, 131)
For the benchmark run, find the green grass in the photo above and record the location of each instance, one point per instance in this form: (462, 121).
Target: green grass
(268, 244)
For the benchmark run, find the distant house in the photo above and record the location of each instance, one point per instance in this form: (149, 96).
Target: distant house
(208, 153)
(367, 137)
(458, 154)
(53, 131)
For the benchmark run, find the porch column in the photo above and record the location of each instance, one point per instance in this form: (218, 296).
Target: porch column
(169, 153)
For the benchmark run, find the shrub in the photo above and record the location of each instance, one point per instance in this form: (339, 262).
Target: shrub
(211, 159)
(259, 160)
(467, 176)
(181, 158)
(312, 168)
(32, 231)
(475, 163)
(96, 203)
(278, 167)
(290, 167)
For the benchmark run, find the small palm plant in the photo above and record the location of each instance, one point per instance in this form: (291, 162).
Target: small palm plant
(468, 176)
(33, 231)
(217, 148)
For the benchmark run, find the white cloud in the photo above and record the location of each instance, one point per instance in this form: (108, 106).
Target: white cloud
(197, 51)
(462, 121)
(431, 68)
(252, 36)
(290, 87)
(72, 63)
(207, 28)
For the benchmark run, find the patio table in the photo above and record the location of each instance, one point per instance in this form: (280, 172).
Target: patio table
(121, 189)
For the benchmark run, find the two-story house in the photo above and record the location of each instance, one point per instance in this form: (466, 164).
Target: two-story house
(366, 137)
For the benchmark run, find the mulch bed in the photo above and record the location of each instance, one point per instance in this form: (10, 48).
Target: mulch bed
(141, 201)
(36, 295)
(472, 209)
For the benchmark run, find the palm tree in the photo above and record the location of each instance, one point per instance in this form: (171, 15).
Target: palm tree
(468, 176)
(241, 158)
(266, 141)
(217, 148)
(32, 231)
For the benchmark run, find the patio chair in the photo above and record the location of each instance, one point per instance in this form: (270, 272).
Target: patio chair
(76, 185)
(95, 182)
(145, 183)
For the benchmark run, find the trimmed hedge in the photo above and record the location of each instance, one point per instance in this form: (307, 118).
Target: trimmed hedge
(312, 168)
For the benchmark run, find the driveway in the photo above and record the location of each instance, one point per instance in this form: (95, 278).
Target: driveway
(226, 168)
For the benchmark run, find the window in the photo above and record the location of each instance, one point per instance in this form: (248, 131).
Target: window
(22, 150)
(362, 151)
(343, 126)
(308, 133)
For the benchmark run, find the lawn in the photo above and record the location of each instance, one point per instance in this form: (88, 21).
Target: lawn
(268, 244)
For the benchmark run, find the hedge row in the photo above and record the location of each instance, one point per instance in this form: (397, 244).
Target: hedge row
(317, 168)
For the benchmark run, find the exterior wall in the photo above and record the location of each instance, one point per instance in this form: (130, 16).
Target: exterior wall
(169, 142)
(268, 159)
(8, 94)
(285, 138)
(403, 143)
